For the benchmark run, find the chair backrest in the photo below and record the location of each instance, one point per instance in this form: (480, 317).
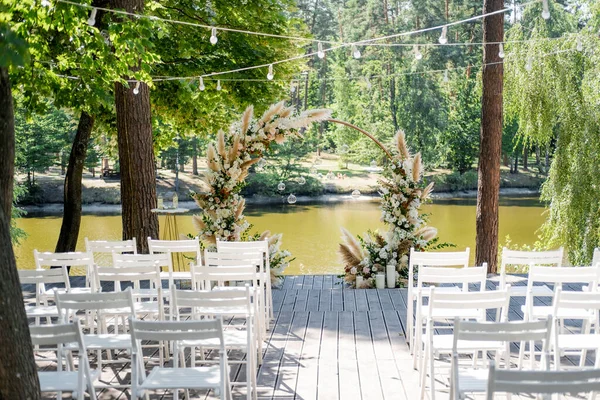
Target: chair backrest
(208, 303)
(134, 274)
(102, 250)
(41, 277)
(73, 259)
(176, 246)
(203, 277)
(70, 303)
(422, 259)
(483, 301)
(464, 276)
(175, 331)
(541, 382)
(560, 275)
(162, 260)
(552, 258)
(596, 257)
(575, 300)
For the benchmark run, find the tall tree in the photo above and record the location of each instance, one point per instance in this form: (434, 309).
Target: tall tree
(490, 147)
(18, 375)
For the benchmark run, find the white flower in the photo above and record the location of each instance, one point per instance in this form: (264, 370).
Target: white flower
(353, 270)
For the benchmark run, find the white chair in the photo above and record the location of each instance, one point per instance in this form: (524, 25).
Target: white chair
(69, 380)
(557, 276)
(475, 380)
(179, 376)
(570, 304)
(251, 248)
(596, 257)
(446, 306)
(97, 307)
(40, 278)
(74, 259)
(552, 258)
(102, 250)
(541, 382)
(162, 261)
(222, 303)
(424, 259)
(442, 275)
(174, 247)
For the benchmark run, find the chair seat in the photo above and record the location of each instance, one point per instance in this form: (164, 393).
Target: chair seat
(543, 290)
(472, 380)
(544, 311)
(576, 341)
(55, 381)
(181, 275)
(443, 344)
(107, 341)
(41, 311)
(50, 292)
(233, 338)
(182, 378)
(146, 307)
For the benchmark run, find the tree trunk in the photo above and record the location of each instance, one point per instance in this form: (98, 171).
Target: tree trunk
(547, 158)
(18, 372)
(515, 168)
(69, 230)
(393, 110)
(525, 158)
(136, 155)
(537, 156)
(488, 185)
(195, 156)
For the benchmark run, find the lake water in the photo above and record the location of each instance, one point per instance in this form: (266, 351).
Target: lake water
(312, 231)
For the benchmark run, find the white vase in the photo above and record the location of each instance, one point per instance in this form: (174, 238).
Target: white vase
(380, 280)
(359, 281)
(390, 272)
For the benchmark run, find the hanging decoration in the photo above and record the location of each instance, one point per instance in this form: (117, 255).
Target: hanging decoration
(402, 194)
(229, 158)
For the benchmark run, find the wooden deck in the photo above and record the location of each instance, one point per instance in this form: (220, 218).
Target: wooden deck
(330, 342)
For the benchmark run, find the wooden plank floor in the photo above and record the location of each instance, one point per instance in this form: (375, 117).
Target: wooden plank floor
(330, 342)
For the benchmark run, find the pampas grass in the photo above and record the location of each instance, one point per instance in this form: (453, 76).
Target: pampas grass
(199, 225)
(246, 119)
(427, 191)
(417, 168)
(211, 157)
(401, 145)
(247, 164)
(352, 244)
(264, 235)
(271, 112)
(240, 209)
(348, 257)
(221, 145)
(235, 147)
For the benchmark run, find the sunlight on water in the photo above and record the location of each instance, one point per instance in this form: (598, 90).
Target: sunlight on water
(311, 232)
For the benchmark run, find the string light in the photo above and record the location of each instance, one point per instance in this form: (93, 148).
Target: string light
(45, 3)
(418, 54)
(92, 19)
(219, 84)
(320, 52)
(579, 44)
(446, 76)
(355, 52)
(213, 36)
(270, 75)
(136, 89)
(292, 87)
(443, 37)
(545, 9)
(501, 50)
(529, 64)
(201, 84)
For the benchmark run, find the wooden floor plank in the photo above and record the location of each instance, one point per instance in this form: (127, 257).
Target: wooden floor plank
(306, 388)
(287, 377)
(328, 385)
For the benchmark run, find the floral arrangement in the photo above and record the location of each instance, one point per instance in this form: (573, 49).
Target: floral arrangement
(402, 193)
(229, 158)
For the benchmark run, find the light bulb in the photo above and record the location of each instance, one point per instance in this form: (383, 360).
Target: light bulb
(281, 186)
(136, 89)
(270, 75)
(92, 19)
(418, 54)
(291, 199)
(446, 76)
(443, 37)
(501, 50)
(213, 36)
(373, 164)
(355, 194)
(320, 52)
(301, 180)
(292, 87)
(529, 64)
(579, 44)
(313, 170)
(344, 149)
(355, 51)
(46, 3)
(545, 10)
(201, 84)
(219, 84)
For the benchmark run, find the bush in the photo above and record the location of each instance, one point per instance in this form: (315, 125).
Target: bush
(456, 182)
(265, 184)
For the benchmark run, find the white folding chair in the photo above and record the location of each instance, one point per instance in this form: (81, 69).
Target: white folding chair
(444, 307)
(441, 275)
(74, 259)
(557, 276)
(552, 258)
(251, 248)
(98, 307)
(222, 303)
(541, 382)
(174, 247)
(179, 376)
(424, 259)
(570, 304)
(475, 380)
(102, 250)
(596, 257)
(40, 278)
(65, 380)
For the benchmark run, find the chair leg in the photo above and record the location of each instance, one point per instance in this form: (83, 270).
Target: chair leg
(423, 373)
